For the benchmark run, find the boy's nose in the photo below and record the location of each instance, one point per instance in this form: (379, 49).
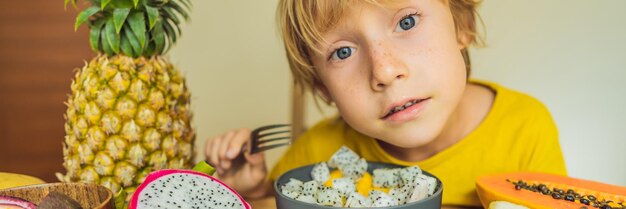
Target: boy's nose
(386, 69)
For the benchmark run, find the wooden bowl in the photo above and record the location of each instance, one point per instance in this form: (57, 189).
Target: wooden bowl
(88, 195)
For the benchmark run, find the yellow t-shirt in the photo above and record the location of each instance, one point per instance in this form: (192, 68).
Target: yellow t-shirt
(518, 134)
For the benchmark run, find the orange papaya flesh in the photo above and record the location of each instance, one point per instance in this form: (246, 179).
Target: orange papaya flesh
(333, 175)
(363, 185)
(523, 189)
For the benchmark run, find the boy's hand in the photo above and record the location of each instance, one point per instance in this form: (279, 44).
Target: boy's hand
(245, 174)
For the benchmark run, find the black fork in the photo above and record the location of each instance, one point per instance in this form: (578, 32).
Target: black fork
(262, 139)
(269, 137)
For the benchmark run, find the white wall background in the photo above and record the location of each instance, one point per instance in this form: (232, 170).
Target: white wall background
(570, 54)
(235, 67)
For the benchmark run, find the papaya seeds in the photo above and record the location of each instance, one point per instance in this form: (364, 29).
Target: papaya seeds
(57, 200)
(570, 195)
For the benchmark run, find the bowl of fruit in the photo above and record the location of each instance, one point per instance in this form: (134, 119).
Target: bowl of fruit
(346, 180)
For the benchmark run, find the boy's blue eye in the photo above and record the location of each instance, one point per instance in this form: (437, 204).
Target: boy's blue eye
(407, 22)
(342, 53)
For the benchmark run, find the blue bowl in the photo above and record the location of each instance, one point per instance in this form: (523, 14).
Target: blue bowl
(304, 174)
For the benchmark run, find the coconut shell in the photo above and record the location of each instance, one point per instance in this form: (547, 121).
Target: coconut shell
(58, 200)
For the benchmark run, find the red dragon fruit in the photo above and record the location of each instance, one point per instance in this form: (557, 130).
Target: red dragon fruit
(171, 188)
(15, 203)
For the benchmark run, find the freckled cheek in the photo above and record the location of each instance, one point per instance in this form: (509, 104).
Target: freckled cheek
(345, 82)
(352, 103)
(443, 60)
(344, 94)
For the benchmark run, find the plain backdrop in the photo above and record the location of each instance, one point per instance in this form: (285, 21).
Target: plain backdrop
(570, 54)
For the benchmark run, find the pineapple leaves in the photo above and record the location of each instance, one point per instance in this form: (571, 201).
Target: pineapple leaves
(122, 4)
(169, 12)
(159, 36)
(153, 15)
(68, 1)
(104, 3)
(93, 2)
(149, 49)
(171, 34)
(126, 48)
(138, 26)
(132, 39)
(94, 34)
(179, 9)
(187, 4)
(105, 44)
(133, 27)
(84, 15)
(119, 16)
(112, 38)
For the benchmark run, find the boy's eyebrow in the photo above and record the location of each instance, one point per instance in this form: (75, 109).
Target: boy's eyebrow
(342, 24)
(329, 15)
(341, 29)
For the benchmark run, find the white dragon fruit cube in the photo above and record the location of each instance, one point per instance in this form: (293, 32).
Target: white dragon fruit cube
(384, 177)
(431, 183)
(291, 194)
(403, 193)
(307, 199)
(420, 190)
(330, 197)
(343, 156)
(356, 200)
(292, 189)
(293, 185)
(383, 200)
(408, 174)
(355, 170)
(345, 185)
(310, 188)
(373, 194)
(320, 172)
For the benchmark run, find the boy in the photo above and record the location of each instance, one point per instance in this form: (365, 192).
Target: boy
(397, 74)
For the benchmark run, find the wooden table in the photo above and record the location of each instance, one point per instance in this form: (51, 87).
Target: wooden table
(270, 203)
(264, 203)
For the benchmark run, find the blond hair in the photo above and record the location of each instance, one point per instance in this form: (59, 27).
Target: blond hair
(302, 26)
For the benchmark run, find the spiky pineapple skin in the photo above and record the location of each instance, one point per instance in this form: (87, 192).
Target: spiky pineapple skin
(126, 117)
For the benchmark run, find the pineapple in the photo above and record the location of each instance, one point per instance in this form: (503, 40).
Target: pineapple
(129, 111)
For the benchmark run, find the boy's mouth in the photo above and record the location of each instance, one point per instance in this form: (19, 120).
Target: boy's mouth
(397, 108)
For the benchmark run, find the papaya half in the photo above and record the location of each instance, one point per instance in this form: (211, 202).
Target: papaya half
(543, 191)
